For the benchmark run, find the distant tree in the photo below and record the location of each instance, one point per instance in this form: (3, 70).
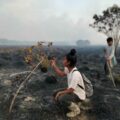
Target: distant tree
(109, 23)
(83, 42)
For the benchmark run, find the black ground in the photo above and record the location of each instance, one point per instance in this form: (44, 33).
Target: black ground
(105, 101)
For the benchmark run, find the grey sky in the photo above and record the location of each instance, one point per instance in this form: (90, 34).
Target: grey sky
(51, 20)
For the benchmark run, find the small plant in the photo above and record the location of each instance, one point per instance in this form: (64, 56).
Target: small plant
(34, 56)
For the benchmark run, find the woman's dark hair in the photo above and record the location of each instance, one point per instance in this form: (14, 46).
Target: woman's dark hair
(72, 57)
(109, 39)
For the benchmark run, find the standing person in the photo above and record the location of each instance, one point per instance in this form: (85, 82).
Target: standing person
(110, 58)
(75, 92)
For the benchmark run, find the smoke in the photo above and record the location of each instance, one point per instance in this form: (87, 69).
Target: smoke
(49, 20)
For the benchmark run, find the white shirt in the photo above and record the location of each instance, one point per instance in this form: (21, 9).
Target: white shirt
(74, 78)
(110, 53)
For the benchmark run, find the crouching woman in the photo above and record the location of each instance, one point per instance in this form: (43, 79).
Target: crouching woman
(74, 93)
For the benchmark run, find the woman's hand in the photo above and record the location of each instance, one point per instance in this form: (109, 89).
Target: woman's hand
(67, 91)
(58, 95)
(56, 68)
(108, 59)
(53, 62)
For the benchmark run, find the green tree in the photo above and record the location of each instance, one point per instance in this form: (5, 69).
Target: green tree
(109, 23)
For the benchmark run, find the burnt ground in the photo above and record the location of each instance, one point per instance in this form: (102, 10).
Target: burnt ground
(31, 101)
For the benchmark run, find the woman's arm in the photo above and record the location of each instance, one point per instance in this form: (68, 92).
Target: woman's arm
(66, 91)
(56, 69)
(69, 90)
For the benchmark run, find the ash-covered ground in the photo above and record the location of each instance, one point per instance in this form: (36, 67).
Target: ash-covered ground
(32, 100)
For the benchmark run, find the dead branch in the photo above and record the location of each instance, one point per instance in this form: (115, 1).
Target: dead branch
(22, 85)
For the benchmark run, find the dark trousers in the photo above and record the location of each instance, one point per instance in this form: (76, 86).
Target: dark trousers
(106, 69)
(65, 100)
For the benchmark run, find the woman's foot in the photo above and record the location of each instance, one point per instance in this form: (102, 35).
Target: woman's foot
(75, 110)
